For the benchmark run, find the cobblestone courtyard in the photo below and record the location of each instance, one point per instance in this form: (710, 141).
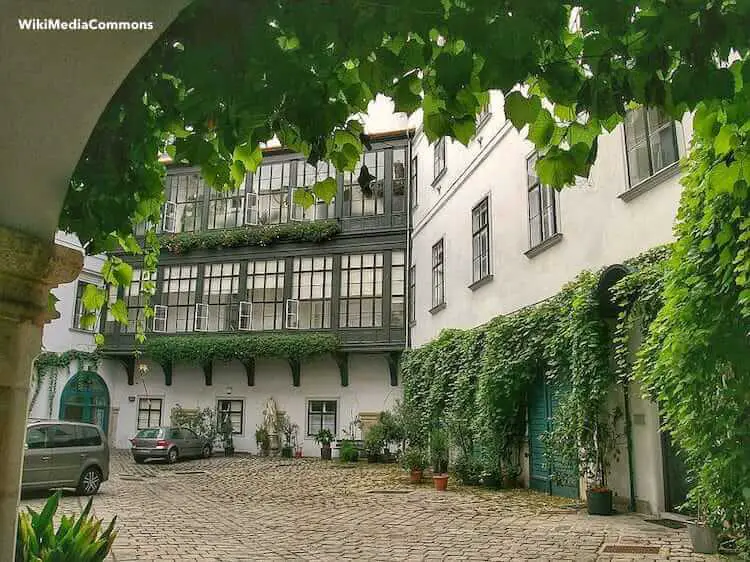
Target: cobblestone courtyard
(272, 509)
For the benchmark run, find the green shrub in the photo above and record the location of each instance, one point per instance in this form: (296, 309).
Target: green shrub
(349, 452)
(469, 469)
(202, 422)
(414, 458)
(75, 540)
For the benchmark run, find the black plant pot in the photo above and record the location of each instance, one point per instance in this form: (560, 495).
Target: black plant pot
(229, 451)
(373, 457)
(599, 502)
(286, 452)
(325, 453)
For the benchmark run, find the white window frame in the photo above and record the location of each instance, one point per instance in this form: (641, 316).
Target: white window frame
(202, 314)
(161, 313)
(246, 314)
(251, 209)
(169, 212)
(290, 314)
(337, 414)
(138, 411)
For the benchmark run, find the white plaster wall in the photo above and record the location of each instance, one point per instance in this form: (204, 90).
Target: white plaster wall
(598, 228)
(369, 390)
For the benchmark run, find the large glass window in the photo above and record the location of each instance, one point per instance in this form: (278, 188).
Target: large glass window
(135, 299)
(651, 142)
(271, 185)
(438, 157)
(226, 209)
(265, 290)
(233, 409)
(360, 202)
(398, 195)
(311, 287)
(542, 207)
(221, 287)
(79, 310)
(361, 302)
(438, 274)
(398, 288)
(183, 211)
(179, 284)
(321, 414)
(307, 175)
(149, 412)
(480, 240)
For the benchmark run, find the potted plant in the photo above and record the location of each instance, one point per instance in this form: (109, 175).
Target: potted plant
(374, 443)
(415, 460)
(348, 452)
(324, 437)
(262, 440)
(439, 458)
(702, 535)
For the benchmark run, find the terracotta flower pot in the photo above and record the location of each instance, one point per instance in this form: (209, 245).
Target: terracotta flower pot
(441, 482)
(415, 477)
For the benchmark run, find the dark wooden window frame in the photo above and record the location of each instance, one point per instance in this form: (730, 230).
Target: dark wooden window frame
(480, 229)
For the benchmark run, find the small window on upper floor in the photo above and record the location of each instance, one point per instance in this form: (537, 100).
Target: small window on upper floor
(543, 212)
(439, 158)
(413, 183)
(480, 241)
(650, 142)
(80, 311)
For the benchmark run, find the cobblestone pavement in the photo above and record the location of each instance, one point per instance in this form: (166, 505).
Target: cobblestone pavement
(244, 508)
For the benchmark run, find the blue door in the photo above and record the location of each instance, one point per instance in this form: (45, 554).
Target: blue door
(543, 400)
(85, 398)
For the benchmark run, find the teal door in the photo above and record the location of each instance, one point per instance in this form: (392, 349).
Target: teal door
(85, 398)
(543, 400)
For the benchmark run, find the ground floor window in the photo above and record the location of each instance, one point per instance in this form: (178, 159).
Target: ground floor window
(321, 414)
(233, 409)
(149, 412)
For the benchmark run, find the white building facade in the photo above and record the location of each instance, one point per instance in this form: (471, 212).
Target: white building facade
(487, 239)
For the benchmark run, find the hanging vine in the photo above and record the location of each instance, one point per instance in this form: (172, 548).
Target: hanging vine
(482, 376)
(48, 365)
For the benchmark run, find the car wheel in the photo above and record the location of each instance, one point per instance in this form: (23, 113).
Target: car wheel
(90, 481)
(139, 460)
(206, 452)
(172, 455)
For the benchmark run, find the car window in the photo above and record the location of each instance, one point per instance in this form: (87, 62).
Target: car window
(88, 436)
(36, 437)
(188, 434)
(151, 433)
(62, 436)
(174, 433)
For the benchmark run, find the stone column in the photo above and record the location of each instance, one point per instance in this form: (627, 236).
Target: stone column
(29, 268)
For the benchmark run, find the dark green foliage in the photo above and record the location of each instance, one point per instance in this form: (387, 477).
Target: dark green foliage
(348, 452)
(75, 539)
(305, 232)
(439, 447)
(324, 437)
(469, 469)
(199, 350)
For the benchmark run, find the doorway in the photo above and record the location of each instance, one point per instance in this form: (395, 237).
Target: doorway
(543, 401)
(676, 483)
(85, 398)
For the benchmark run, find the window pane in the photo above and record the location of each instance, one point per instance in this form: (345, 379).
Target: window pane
(663, 149)
(638, 163)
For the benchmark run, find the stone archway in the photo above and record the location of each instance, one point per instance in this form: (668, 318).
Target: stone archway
(85, 398)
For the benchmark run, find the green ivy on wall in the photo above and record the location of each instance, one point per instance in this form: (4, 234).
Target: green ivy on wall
(49, 363)
(202, 349)
(261, 235)
(481, 377)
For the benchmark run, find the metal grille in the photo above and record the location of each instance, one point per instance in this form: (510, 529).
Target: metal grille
(631, 549)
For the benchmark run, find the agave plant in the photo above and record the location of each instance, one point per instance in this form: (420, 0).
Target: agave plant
(76, 540)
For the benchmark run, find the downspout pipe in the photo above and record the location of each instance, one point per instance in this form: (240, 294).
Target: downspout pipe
(629, 442)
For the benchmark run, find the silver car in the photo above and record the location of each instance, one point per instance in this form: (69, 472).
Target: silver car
(168, 443)
(62, 454)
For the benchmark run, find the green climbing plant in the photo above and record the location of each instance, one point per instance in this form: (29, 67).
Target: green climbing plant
(199, 350)
(48, 365)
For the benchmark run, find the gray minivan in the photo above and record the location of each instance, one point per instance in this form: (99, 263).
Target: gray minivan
(63, 454)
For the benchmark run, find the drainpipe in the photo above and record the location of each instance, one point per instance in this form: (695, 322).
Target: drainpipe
(629, 438)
